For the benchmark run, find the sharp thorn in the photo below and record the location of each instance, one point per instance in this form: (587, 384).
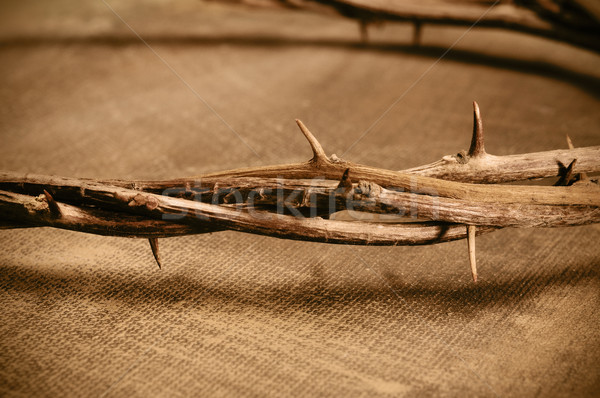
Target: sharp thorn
(345, 184)
(154, 247)
(566, 177)
(569, 172)
(477, 146)
(471, 231)
(52, 205)
(318, 152)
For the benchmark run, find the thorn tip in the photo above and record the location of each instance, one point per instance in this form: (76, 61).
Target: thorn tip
(154, 247)
(471, 232)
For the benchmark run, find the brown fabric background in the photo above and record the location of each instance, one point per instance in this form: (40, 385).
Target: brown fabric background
(233, 314)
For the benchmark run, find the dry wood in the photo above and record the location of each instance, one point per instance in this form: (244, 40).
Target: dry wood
(186, 217)
(478, 166)
(500, 169)
(324, 197)
(435, 199)
(25, 211)
(293, 201)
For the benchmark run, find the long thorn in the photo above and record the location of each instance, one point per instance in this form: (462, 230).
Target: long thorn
(477, 148)
(52, 205)
(471, 230)
(318, 152)
(154, 247)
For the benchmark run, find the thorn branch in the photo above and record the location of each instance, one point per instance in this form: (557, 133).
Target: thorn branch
(477, 148)
(471, 231)
(318, 152)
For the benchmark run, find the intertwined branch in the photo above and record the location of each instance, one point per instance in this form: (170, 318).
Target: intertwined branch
(434, 203)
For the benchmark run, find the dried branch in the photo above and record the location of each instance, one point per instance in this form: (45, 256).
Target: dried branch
(25, 211)
(575, 207)
(295, 201)
(480, 167)
(476, 167)
(570, 21)
(186, 216)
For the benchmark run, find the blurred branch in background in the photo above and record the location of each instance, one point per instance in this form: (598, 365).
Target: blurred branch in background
(576, 22)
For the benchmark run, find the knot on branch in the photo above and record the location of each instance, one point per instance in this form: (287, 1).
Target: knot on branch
(335, 159)
(462, 157)
(40, 205)
(368, 189)
(146, 201)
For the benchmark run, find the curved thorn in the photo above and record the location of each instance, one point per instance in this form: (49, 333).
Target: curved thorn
(318, 152)
(52, 205)
(154, 247)
(477, 148)
(471, 230)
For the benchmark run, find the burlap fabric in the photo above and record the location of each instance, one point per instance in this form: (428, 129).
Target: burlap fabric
(232, 314)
